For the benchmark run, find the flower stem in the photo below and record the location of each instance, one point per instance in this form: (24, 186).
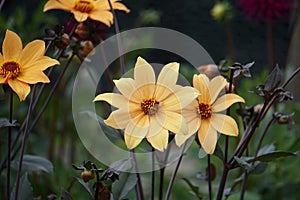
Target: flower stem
(161, 183)
(244, 184)
(138, 186)
(230, 45)
(117, 29)
(23, 144)
(263, 136)
(209, 177)
(9, 143)
(153, 175)
(174, 173)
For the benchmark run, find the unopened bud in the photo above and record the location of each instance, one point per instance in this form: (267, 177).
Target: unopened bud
(222, 11)
(209, 70)
(87, 48)
(63, 42)
(257, 108)
(82, 30)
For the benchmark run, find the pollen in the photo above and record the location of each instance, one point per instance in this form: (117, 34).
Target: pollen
(149, 106)
(85, 6)
(10, 68)
(204, 110)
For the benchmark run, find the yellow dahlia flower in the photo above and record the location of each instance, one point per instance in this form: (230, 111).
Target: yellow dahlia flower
(98, 10)
(148, 108)
(203, 115)
(20, 67)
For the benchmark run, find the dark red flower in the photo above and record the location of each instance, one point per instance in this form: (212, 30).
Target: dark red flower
(265, 9)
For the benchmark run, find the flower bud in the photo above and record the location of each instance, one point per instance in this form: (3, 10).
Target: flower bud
(87, 47)
(63, 41)
(82, 30)
(87, 175)
(209, 70)
(257, 108)
(222, 11)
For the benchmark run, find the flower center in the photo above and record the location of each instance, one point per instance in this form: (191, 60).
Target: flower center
(149, 106)
(10, 68)
(84, 6)
(204, 110)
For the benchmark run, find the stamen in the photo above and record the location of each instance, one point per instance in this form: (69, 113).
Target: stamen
(149, 106)
(10, 68)
(204, 110)
(84, 6)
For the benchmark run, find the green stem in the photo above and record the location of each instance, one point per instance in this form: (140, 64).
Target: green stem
(26, 131)
(138, 186)
(153, 175)
(209, 177)
(230, 45)
(161, 183)
(9, 143)
(117, 29)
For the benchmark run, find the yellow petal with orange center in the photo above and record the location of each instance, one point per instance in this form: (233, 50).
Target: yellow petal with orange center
(33, 77)
(215, 86)
(12, 46)
(20, 88)
(160, 140)
(224, 124)
(32, 51)
(200, 82)
(207, 136)
(225, 101)
(1, 58)
(174, 122)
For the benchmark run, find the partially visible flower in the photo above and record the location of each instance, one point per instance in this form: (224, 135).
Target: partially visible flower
(203, 115)
(98, 10)
(20, 67)
(210, 70)
(87, 48)
(82, 30)
(149, 108)
(222, 11)
(265, 9)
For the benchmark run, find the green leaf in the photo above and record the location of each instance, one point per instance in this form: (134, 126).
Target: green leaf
(25, 189)
(273, 80)
(85, 186)
(121, 187)
(243, 163)
(65, 195)
(266, 149)
(274, 155)
(194, 189)
(259, 168)
(4, 122)
(34, 163)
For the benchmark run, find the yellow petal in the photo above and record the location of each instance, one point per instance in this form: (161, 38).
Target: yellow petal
(215, 86)
(63, 5)
(118, 119)
(143, 73)
(103, 16)
(80, 16)
(33, 77)
(113, 99)
(180, 99)
(200, 82)
(12, 46)
(166, 80)
(3, 80)
(40, 63)
(224, 124)
(128, 88)
(1, 58)
(120, 6)
(174, 122)
(131, 141)
(207, 136)
(181, 138)
(160, 140)
(155, 124)
(20, 88)
(32, 51)
(225, 101)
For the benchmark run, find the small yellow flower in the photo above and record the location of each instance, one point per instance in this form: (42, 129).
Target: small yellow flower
(98, 10)
(148, 108)
(20, 67)
(202, 114)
